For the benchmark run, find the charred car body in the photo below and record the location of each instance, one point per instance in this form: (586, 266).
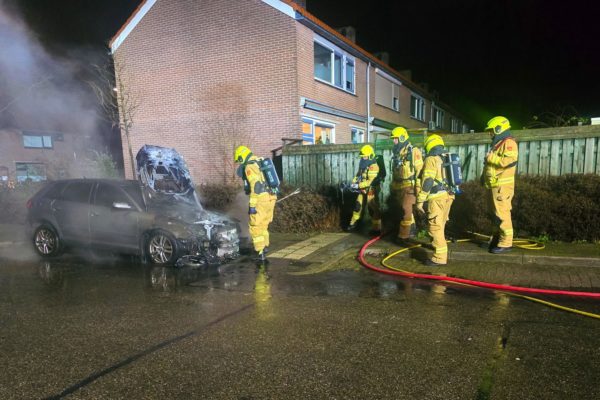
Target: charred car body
(157, 217)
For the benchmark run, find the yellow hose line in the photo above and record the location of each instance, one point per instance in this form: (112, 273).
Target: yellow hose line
(534, 299)
(528, 244)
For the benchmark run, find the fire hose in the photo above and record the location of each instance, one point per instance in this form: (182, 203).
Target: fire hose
(506, 289)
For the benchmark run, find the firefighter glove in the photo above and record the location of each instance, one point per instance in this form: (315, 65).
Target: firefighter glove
(252, 210)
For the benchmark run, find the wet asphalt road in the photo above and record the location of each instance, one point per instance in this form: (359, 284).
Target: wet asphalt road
(118, 330)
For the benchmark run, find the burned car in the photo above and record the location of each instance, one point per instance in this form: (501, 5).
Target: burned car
(157, 217)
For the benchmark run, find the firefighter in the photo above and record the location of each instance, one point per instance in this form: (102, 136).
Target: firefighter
(407, 162)
(368, 187)
(499, 177)
(436, 192)
(262, 200)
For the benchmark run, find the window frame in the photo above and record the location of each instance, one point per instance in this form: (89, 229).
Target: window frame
(345, 60)
(420, 107)
(43, 141)
(315, 121)
(358, 129)
(394, 95)
(439, 116)
(20, 178)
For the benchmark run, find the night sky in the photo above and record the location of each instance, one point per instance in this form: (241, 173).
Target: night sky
(517, 58)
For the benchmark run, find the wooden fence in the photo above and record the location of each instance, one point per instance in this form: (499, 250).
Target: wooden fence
(554, 151)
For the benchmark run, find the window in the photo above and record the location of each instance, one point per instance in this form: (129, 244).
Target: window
(357, 135)
(417, 107)
(78, 192)
(54, 191)
(106, 195)
(3, 175)
(438, 117)
(317, 132)
(387, 93)
(37, 141)
(334, 67)
(35, 172)
(455, 125)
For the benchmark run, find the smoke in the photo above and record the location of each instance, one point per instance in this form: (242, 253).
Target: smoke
(38, 90)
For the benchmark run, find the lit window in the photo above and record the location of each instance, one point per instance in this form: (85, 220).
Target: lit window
(417, 107)
(334, 67)
(317, 132)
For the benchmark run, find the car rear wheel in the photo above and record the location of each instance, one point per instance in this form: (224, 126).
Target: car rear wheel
(161, 248)
(46, 241)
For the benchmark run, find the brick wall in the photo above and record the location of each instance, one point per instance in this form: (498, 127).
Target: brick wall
(60, 161)
(210, 75)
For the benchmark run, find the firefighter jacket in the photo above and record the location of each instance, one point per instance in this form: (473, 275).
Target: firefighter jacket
(433, 185)
(255, 179)
(368, 170)
(501, 163)
(406, 167)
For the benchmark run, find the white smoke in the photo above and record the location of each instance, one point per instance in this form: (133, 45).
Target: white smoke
(39, 91)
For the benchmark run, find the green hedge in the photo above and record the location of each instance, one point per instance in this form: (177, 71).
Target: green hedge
(561, 207)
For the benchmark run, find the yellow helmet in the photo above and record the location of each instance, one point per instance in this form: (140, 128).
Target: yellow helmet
(498, 125)
(367, 151)
(241, 153)
(400, 133)
(432, 141)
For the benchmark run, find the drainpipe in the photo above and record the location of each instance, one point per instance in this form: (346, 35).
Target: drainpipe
(368, 101)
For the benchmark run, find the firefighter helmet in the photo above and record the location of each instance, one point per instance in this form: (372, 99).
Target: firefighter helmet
(367, 151)
(400, 133)
(241, 153)
(498, 125)
(432, 141)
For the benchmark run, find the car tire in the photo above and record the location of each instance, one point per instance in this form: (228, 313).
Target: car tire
(161, 248)
(46, 241)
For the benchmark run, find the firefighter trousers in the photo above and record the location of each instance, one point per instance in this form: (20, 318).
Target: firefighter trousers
(372, 200)
(501, 197)
(258, 224)
(437, 216)
(405, 200)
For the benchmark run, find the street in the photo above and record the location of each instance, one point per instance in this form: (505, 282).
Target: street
(115, 329)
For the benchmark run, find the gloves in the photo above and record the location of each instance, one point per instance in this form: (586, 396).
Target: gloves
(419, 208)
(354, 186)
(252, 210)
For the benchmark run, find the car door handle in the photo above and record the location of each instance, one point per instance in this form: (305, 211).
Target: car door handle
(93, 214)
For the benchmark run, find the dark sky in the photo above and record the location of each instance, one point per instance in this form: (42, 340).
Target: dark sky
(511, 57)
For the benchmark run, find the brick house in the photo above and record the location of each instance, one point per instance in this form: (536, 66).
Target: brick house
(39, 155)
(209, 75)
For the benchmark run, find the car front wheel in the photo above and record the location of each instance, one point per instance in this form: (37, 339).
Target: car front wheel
(161, 248)
(46, 241)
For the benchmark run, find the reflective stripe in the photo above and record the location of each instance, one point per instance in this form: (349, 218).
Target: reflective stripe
(406, 223)
(508, 232)
(258, 239)
(441, 250)
(504, 181)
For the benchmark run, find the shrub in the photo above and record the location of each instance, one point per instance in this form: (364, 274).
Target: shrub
(13, 201)
(558, 207)
(217, 196)
(308, 211)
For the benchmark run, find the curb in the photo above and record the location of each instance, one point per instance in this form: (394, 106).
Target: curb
(523, 259)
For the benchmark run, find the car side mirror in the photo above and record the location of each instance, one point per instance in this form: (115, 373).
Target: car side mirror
(121, 206)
